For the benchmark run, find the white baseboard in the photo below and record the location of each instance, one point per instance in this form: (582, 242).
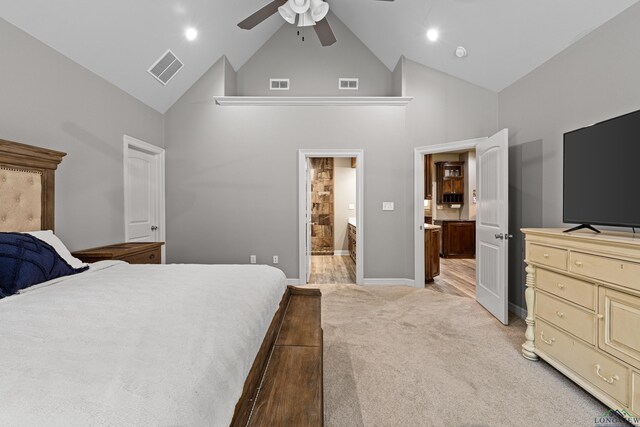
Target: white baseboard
(389, 282)
(518, 311)
(293, 282)
(341, 253)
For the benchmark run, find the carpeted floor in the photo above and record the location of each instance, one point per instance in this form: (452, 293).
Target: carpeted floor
(399, 356)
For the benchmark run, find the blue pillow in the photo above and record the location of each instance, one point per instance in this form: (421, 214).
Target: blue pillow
(26, 261)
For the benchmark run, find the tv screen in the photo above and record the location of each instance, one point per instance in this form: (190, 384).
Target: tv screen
(602, 173)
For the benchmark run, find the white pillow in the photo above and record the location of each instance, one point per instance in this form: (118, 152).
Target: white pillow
(50, 238)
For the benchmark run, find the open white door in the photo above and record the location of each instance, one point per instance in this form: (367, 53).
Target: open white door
(308, 216)
(492, 222)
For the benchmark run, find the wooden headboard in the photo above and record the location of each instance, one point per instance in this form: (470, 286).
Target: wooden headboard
(27, 186)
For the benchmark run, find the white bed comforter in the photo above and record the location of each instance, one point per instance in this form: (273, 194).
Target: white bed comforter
(152, 345)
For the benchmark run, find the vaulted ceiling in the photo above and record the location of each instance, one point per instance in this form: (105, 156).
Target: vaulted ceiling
(120, 39)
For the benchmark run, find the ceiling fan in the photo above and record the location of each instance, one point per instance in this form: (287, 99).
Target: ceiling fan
(307, 12)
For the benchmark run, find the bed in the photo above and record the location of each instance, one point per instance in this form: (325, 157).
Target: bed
(122, 344)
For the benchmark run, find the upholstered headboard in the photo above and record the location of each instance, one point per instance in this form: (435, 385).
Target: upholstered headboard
(27, 186)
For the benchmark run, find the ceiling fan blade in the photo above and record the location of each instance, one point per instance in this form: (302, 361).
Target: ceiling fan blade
(324, 32)
(261, 15)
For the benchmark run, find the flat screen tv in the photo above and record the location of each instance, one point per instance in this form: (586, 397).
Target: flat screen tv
(602, 174)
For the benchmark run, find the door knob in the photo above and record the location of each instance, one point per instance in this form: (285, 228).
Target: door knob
(154, 227)
(500, 236)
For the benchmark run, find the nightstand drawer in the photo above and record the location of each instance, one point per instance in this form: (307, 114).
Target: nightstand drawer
(151, 257)
(546, 255)
(133, 253)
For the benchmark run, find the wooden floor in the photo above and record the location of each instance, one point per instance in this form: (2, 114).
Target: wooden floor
(329, 269)
(457, 277)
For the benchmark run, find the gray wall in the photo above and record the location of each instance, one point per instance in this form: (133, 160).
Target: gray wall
(595, 79)
(230, 79)
(49, 101)
(232, 171)
(311, 68)
(397, 79)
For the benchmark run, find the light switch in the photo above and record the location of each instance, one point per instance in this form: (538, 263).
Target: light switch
(352, 207)
(387, 206)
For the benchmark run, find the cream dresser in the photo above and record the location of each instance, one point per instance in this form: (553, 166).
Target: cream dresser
(583, 302)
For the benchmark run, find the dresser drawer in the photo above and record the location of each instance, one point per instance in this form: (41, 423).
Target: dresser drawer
(620, 325)
(607, 269)
(546, 255)
(572, 319)
(574, 290)
(603, 372)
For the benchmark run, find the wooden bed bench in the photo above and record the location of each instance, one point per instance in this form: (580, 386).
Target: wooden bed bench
(285, 386)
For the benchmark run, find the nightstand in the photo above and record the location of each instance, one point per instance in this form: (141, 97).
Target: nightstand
(133, 253)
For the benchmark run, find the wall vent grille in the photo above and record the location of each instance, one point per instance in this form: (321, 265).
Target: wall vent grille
(165, 68)
(348, 83)
(279, 84)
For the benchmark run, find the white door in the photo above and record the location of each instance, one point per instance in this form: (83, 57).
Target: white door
(141, 196)
(308, 216)
(492, 224)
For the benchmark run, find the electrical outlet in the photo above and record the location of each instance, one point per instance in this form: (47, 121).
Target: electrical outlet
(275, 259)
(388, 206)
(253, 259)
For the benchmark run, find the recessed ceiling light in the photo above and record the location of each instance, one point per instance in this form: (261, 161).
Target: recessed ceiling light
(433, 34)
(191, 34)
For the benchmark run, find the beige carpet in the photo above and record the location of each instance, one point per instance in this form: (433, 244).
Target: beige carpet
(398, 356)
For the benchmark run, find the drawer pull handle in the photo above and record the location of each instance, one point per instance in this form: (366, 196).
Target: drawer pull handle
(579, 263)
(545, 255)
(605, 379)
(560, 286)
(550, 342)
(560, 314)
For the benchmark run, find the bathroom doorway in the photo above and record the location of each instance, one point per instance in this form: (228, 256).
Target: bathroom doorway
(330, 216)
(333, 220)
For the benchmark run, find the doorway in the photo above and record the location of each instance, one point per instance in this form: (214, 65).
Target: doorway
(333, 220)
(453, 242)
(330, 216)
(144, 197)
(450, 221)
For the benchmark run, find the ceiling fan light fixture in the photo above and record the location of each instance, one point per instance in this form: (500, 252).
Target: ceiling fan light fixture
(306, 20)
(287, 13)
(299, 6)
(319, 9)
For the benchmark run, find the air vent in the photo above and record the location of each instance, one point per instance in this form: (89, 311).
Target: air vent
(348, 84)
(279, 84)
(166, 67)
